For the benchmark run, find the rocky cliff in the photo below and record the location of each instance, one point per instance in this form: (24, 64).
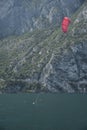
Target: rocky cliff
(20, 16)
(46, 59)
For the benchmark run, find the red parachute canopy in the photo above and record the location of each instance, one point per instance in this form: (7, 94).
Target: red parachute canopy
(65, 23)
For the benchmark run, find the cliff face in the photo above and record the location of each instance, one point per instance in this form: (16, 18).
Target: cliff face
(20, 16)
(46, 59)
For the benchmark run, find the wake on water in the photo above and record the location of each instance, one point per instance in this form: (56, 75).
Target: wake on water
(36, 99)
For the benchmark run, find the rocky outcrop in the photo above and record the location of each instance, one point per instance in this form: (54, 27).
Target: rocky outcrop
(67, 72)
(20, 16)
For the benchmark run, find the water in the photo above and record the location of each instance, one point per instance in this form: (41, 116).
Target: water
(43, 112)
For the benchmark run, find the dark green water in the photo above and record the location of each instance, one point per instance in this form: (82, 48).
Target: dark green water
(50, 112)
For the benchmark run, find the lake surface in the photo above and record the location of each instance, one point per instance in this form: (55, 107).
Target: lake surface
(43, 111)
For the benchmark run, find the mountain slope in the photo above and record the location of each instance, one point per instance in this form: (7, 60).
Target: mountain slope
(20, 16)
(46, 60)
